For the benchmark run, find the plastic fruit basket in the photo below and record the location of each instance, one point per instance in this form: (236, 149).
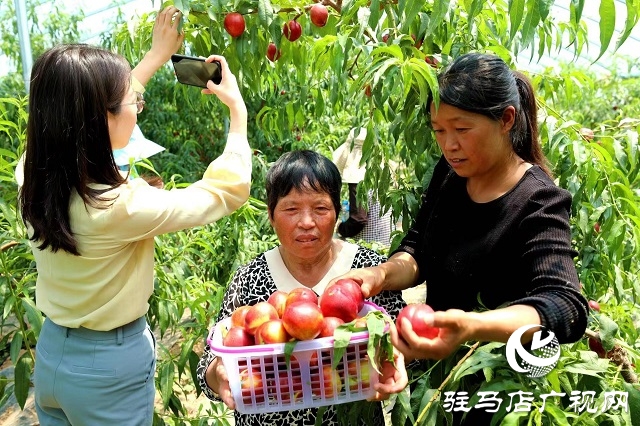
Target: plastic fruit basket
(262, 382)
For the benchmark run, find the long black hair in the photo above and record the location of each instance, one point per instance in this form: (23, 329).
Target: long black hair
(484, 84)
(73, 86)
(302, 170)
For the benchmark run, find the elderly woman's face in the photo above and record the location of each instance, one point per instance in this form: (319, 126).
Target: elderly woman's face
(304, 222)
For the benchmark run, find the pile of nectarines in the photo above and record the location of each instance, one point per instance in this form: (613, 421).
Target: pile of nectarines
(297, 315)
(300, 315)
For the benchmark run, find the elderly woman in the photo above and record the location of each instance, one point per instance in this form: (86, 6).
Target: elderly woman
(303, 192)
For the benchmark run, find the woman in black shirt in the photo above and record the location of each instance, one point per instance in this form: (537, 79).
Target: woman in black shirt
(492, 238)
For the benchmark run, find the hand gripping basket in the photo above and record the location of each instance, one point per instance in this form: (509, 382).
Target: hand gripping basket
(262, 382)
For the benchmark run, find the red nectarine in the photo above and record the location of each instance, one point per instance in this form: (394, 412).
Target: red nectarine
(303, 320)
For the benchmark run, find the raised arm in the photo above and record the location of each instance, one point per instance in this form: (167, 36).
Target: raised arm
(165, 41)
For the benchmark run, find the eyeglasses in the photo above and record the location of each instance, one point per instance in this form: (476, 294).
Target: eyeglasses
(138, 103)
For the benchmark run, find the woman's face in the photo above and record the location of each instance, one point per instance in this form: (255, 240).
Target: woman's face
(121, 124)
(472, 144)
(304, 222)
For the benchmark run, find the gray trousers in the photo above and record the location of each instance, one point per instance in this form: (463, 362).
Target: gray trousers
(94, 378)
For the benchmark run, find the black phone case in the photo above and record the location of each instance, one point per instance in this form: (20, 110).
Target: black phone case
(195, 71)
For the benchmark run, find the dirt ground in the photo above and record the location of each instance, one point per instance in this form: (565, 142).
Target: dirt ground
(12, 415)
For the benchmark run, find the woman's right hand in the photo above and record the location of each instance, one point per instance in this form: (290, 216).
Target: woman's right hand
(399, 272)
(218, 381)
(371, 280)
(227, 91)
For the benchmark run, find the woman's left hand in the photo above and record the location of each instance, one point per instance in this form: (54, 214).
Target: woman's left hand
(454, 331)
(165, 42)
(166, 39)
(393, 378)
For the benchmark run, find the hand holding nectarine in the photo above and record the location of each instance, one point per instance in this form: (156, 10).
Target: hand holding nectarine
(371, 280)
(453, 331)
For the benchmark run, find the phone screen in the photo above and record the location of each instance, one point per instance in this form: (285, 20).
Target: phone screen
(195, 71)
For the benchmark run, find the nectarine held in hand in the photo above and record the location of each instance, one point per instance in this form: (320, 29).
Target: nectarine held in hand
(337, 301)
(416, 314)
(354, 288)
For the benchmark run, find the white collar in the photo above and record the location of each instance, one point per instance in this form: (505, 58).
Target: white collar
(286, 282)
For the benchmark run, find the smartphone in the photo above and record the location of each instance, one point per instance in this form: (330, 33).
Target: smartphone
(195, 71)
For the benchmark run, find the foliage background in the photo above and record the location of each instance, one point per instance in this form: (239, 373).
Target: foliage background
(310, 98)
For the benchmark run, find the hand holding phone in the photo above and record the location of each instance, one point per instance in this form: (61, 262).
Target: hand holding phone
(194, 71)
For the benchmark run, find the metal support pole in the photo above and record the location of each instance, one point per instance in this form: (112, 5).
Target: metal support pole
(25, 42)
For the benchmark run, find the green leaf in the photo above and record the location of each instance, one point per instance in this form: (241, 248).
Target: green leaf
(427, 414)
(320, 415)
(634, 402)
(513, 418)
(473, 8)
(607, 24)
(559, 417)
(412, 7)
(516, 10)
(289, 347)
(16, 346)
(440, 9)
(381, 51)
(608, 331)
(576, 8)
(33, 315)
(22, 378)
(182, 5)
(545, 7)
(265, 13)
(478, 361)
(402, 410)
(530, 23)
(167, 375)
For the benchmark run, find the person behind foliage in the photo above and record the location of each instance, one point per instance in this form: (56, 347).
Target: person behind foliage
(367, 223)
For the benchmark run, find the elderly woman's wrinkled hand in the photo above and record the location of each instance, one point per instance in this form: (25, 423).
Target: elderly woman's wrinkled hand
(217, 379)
(393, 378)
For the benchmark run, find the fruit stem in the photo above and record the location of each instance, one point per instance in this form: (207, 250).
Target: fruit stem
(8, 245)
(438, 391)
(337, 6)
(617, 355)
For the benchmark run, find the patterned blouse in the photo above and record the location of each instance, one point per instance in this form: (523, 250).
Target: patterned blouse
(254, 283)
